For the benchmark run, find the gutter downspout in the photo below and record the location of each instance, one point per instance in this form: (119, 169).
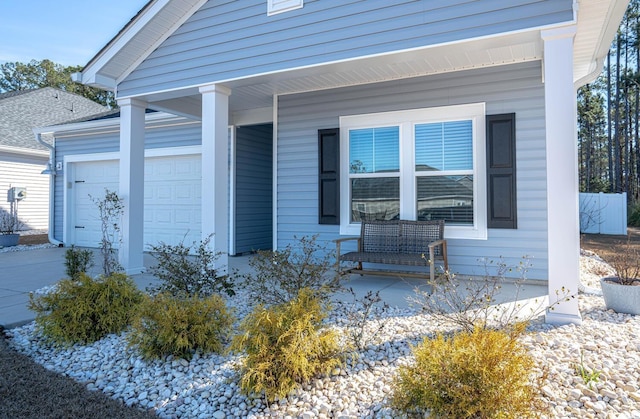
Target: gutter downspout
(51, 165)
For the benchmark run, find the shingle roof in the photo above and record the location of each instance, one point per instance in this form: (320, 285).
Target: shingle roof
(22, 111)
(110, 114)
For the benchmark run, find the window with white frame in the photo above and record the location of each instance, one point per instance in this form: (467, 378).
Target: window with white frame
(422, 164)
(281, 6)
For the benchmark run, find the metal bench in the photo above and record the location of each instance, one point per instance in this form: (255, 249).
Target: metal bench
(396, 242)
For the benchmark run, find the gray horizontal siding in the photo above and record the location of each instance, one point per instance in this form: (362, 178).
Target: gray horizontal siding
(514, 88)
(165, 137)
(233, 39)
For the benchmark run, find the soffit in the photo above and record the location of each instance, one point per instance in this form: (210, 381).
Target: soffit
(597, 24)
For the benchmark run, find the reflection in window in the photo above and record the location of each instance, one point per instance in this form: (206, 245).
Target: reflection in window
(448, 198)
(375, 199)
(444, 146)
(374, 150)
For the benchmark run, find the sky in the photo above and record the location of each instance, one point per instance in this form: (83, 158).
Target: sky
(67, 32)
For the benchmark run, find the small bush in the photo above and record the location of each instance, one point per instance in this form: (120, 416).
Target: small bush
(285, 345)
(188, 270)
(363, 321)
(626, 262)
(111, 209)
(83, 309)
(168, 325)
(77, 261)
(633, 219)
(479, 374)
(280, 274)
(473, 302)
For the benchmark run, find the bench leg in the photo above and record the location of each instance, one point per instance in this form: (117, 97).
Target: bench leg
(444, 256)
(432, 265)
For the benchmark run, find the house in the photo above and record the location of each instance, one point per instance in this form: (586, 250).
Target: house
(405, 108)
(21, 158)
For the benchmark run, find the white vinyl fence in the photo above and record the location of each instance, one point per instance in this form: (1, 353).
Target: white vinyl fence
(602, 213)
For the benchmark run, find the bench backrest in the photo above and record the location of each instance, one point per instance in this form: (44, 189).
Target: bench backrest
(400, 236)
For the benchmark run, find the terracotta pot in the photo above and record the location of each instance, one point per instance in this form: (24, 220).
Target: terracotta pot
(620, 298)
(7, 240)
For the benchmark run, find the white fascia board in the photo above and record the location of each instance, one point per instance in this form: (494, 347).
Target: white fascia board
(121, 40)
(91, 72)
(24, 151)
(95, 80)
(183, 18)
(613, 18)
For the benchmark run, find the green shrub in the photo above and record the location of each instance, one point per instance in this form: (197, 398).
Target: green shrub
(186, 271)
(168, 325)
(633, 219)
(77, 261)
(479, 374)
(83, 309)
(285, 345)
(280, 274)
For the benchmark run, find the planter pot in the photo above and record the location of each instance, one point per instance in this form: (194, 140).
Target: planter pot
(7, 240)
(620, 298)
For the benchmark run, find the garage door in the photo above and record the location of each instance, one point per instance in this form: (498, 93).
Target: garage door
(172, 199)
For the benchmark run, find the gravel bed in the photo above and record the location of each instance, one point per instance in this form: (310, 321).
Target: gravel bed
(24, 247)
(207, 387)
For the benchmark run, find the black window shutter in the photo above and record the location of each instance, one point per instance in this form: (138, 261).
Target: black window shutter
(329, 176)
(501, 171)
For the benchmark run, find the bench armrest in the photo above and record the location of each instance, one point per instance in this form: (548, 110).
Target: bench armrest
(436, 243)
(344, 239)
(432, 246)
(339, 241)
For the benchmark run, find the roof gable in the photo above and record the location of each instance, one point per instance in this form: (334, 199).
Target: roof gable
(154, 23)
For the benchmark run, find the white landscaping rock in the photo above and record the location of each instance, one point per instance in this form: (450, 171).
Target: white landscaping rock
(207, 386)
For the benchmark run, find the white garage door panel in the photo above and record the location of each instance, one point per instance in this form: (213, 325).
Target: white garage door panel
(172, 199)
(91, 179)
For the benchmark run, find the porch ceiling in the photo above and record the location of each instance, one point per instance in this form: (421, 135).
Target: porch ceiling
(258, 91)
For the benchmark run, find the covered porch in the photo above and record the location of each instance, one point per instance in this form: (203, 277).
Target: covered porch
(256, 100)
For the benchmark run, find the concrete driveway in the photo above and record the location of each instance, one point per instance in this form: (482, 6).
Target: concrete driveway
(22, 272)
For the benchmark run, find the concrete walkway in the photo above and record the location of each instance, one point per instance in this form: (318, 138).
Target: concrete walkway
(22, 272)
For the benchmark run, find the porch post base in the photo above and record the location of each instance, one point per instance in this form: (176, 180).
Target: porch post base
(553, 317)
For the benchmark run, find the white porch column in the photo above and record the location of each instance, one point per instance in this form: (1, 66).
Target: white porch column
(215, 166)
(132, 124)
(563, 228)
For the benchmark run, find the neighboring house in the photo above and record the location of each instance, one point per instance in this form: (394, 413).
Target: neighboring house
(461, 109)
(22, 158)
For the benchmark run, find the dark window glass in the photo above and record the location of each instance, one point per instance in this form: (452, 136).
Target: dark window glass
(448, 198)
(375, 199)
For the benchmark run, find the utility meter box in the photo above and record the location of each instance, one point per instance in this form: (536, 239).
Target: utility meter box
(17, 193)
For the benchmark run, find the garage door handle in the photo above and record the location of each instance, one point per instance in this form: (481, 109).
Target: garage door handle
(79, 226)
